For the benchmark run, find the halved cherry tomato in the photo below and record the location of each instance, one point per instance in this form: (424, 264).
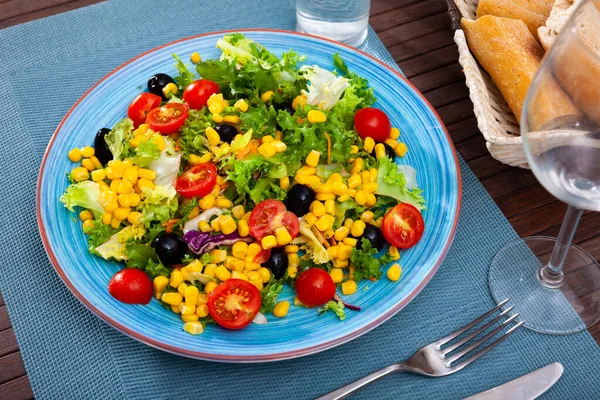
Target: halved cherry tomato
(234, 303)
(197, 93)
(141, 106)
(168, 118)
(314, 287)
(198, 180)
(269, 215)
(372, 122)
(403, 226)
(262, 256)
(131, 286)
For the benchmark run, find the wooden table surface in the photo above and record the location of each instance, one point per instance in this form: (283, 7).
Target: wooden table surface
(417, 33)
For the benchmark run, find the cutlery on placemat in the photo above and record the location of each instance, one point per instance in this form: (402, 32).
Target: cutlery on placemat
(435, 361)
(526, 387)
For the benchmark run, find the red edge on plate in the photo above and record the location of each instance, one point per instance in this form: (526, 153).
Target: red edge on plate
(257, 358)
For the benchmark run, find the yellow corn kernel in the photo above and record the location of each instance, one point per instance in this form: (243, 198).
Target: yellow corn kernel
(210, 286)
(394, 133)
(232, 119)
(306, 170)
(267, 150)
(88, 164)
(215, 98)
(258, 283)
(293, 259)
(369, 144)
(182, 286)
(134, 217)
(312, 159)
(207, 202)
(222, 273)
(393, 252)
(266, 96)
(220, 180)
(131, 174)
(195, 57)
(354, 181)
(243, 228)
(74, 155)
(87, 151)
(239, 249)
(361, 197)
(96, 162)
(343, 198)
(372, 175)
(213, 137)
(326, 187)
(147, 173)
(115, 222)
(299, 100)
(210, 270)
(223, 202)
(291, 248)
(316, 116)
(325, 222)
(313, 181)
(317, 208)
(391, 142)
(344, 251)
(136, 141)
(284, 183)
(202, 309)
(124, 187)
(238, 211)
(103, 185)
(337, 275)
(87, 225)
(348, 222)
(352, 192)
(85, 215)
(251, 266)
(394, 272)
(370, 187)
(246, 216)
(292, 271)
(80, 174)
(367, 217)
(215, 108)
(379, 150)
(358, 228)
(204, 226)
(160, 283)
(378, 222)
(283, 236)
(366, 177)
(264, 274)
(357, 166)
(202, 300)
(145, 183)
(191, 296)
(118, 167)
(253, 275)
(353, 149)
(217, 118)
(216, 191)
(330, 207)
(241, 105)
(268, 242)
(175, 309)
(279, 145)
(159, 141)
(341, 233)
(348, 287)
(189, 317)
(267, 139)
(193, 328)
(170, 88)
(172, 298)
(121, 213)
(194, 213)
(340, 263)
(218, 256)
(114, 184)
(98, 175)
(281, 309)
(371, 200)
(176, 278)
(227, 224)
(106, 218)
(332, 251)
(229, 262)
(350, 241)
(401, 149)
(239, 275)
(339, 188)
(278, 135)
(311, 218)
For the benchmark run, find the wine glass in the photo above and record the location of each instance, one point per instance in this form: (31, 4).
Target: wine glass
(553, 284)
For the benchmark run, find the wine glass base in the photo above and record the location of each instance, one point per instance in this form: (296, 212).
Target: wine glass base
(571, 307)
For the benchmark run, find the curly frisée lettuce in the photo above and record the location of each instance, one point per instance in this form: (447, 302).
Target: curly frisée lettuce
(391, 182)
(118, 138)
(84, 194)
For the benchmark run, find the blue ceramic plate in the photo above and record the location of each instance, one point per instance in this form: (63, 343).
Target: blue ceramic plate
(302, 332)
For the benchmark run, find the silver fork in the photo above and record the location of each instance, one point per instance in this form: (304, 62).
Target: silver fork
(433, 360)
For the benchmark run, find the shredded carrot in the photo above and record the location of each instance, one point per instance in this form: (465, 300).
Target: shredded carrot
(251, 148)
(320, 237)
(328, 148)
(372, 279)
(169, 224)
(178, 145)
(333, 242)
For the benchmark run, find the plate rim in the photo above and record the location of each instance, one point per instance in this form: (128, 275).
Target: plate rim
(286, 355)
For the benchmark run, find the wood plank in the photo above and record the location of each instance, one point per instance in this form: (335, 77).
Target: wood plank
(409, 13)
(434, 60)
(436, 79)
(4, 320)
(472, 148)
(380, 6)
(413, 30)
(528, 197)
(455, 112)
(11, 367)
(18, 389)
(447, 95)
(37, 13)
(425, 44)
(8, 342)
(463, 130)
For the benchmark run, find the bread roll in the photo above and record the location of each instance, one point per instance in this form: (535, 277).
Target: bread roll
(561, 11)
(511, 56)
(533, 12)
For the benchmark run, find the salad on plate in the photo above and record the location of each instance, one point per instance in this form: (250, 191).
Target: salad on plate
(241, 175)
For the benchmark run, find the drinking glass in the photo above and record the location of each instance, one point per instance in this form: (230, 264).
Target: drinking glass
(553, 284)
(342, 20)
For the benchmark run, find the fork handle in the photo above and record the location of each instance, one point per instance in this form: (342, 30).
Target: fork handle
(362, 382)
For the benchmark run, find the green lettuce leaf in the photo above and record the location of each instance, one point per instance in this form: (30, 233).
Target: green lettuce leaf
(269, 296)
(253, 178)
(337, 307)
(84, 194)
(145, 153)
(98, 235)
(118, 138)
(364, 262)
(185, 76)
(158, 205)
(193, 139)
(391, 182)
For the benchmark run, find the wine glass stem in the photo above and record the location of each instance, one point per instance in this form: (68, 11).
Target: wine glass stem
(551, 275)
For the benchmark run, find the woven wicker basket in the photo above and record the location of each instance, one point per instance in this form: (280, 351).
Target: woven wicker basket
(494, 118)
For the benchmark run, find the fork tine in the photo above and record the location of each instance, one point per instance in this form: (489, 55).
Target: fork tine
(482, 340)
(464, 340)
(489, 347)
(465, 328)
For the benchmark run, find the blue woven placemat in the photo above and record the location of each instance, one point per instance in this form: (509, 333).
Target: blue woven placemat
(69, 353)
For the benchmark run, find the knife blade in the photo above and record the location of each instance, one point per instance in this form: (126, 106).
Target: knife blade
(526, 387)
